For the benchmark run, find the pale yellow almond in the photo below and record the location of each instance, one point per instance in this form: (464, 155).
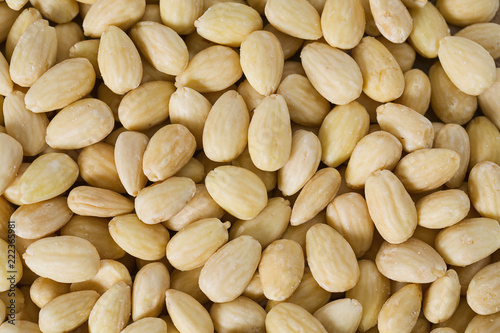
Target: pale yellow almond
(187, 282)
(65, 259)
(315, 195)
(110, 272)
(372, 290)
(47, 177)
(331, 259)
(8, 16)
(161, 46)
(281, 269)
(192, 246)
(343, 23)
(189, 108)
(270, 134)
(97, 167)
(412, 129)
(6, 211)
(289, 44)
(119, 61)
(111, 312)
(442, 298)
(128, 153)
(95, 230)
(348, 214)
(58, 11)
(483, 291)
(148, 292)
(463, 13)
(187, 314)
(260, 228)
(392, 19)
(383, 79)
(453, 136)
(245, 161)
(98, 202)
(226, 126)
(23, 125)
(262, 60)
(24, 326)
(230, 269)
(468, 65)
(342, 315)
(13, 192)
(68, 311)
(106, 13)
(412, 261)
(199, 207)
(61, 85)
(181, 15)
(483, 188)
(417, 92)
(291, 317)
(370, 26)
(427, 169)
(341, 130)
(460, 319)
(75, 127)
(150, 73)
(333, 73)
(442, 209)
(485, 34)
(16, 4)
(40, 219)
(468, 241)
(394, 212)
(153, 325)
(449, 103)
(297, 18)
(466, 273)
(308, 295)
(6, 266)
(170, 148)
(489, 103)
(305, 105)
(238, 191)
(34, 54)
(200, 75)
(429, 27)
(486, 324)
(67, 34)
(400, 312)
(87, 49)
(44, 290)
(292, 67)
(254, 289)
(6, 84)
(304, 160)
(240, 314)
(146, 105)
(403, 52)
(17, 28)
(195, 43)
(150, 246)
(376, 151)
(228, 23)
(484, 139)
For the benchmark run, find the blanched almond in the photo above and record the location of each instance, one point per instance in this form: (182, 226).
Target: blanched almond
(442, 209)
(442, 297)
(180, 15)
(482, 294)
(342, 315)
(239, 314)
(400, 312)
(148, 292)
(11, 152)
(392, 19)
(289, 316)
(187, 314)
(484, 190)
(111, 312)
(298, 18)
(105, 13)
(429, 27)
(99, 202)
(343, 23)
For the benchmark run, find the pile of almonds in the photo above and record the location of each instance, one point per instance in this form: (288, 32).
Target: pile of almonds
(249, 166)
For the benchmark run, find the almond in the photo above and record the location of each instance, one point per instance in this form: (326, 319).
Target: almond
(180, 15)
(298, 18)
(148, 292)
(290, 316)
(106, 13)
(187, 314)
(111, 312)
(392, 19)
(99, 202)
(484, 190)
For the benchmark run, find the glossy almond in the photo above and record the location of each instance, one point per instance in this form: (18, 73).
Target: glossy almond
(427, 169)
(61, 85)
(333, 73)
(270, 134)
(228, 23)
(170, 148)
(64, 259)
(75, 127)
(229, 270)
(429, 27)
(47, 177)
(343, 23)
(331, 259)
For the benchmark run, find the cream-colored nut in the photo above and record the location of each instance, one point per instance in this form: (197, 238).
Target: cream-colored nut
(417, 93)
(148, 291)
(111, 312)
(187, 314)
(484, 141)
(400, 312)
(292, 317)
(463, 12)
(483, 189)
(483, 291)
(110, 272)
(105, 13)
(342, 315)
(442, 209)
(343, 23)
(392, 19)
(99, 202)
(485, 34)
(298, 18)
(489, 103)
(442, 298)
